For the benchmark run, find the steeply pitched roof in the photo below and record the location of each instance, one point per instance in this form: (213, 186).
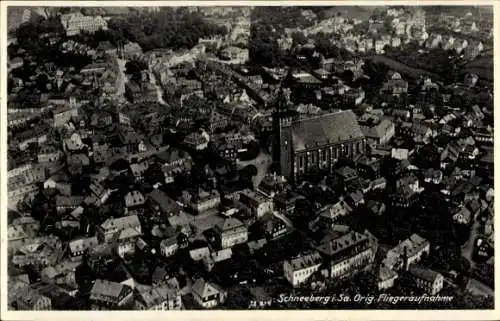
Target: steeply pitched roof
(108, 289)
(325, 129)
(423, 273)
(121, 222)
(230, 224)
(205, 289)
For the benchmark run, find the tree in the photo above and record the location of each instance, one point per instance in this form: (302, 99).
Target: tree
(154, 174)
(299, 38)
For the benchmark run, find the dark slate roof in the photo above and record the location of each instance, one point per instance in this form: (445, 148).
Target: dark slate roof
(423, 273)
(326, 129)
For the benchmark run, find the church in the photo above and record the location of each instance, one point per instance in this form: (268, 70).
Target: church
(305, 145)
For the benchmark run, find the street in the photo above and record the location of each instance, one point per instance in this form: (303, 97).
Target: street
(159, 91)
(123, 78)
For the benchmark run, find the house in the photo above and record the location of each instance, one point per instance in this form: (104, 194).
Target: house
(407, 190)
(434, 176)
(427, 280)
(348, 253)
(329, 214)
(375, 207)
(257, 204)
(202, 201)
(216, 256)
(108, 295)
(385, 278)
(138, 170)
(356, 198)
(299, 269)
(108, 231)
(31, 299)
(76, 163)
(286, 201)
(169, 246)
(74, 142)
(131, 50)
(198, 250)
(254, 246)
(78, 247)
(162, 204)
(407, 252)
(275, 227)
(463, 216)
(346, 175)
(208, 294)
(65, 203)
(157, 297)
(49, 154)
(134, 198)
(61, 274)
(39, 251)
(380, 133)
(368, 168)
(196, 141)
(231, 232)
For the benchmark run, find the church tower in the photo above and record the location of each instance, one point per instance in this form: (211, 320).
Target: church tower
(283, 120)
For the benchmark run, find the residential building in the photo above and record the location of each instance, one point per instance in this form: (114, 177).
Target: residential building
(231, 232)
(108, 230)
(299, 269)
(108, 295)
(39, 251)
(196, 141)
(275, 227)
(385, 278)
(379, 133)
(169, 246)
(257, 204)
(134, 199)
(32, 299)
(462, 215)
(202, 201)
(208, 294)
(78, 247)
(348, 253)
(407, 252)
(427, 280)
(395, 85)
(157, 297)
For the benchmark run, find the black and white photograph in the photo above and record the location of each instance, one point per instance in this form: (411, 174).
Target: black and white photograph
(248, 157)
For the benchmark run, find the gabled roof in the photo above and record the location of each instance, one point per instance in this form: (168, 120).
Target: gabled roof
(205, 289)
(108, 289)
(424, 273)
(121, 222)
(230, 223)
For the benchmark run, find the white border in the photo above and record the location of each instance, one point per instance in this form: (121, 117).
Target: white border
(213, 315)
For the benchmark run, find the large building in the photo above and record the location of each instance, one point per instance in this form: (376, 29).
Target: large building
(307, 145)
(349, 254)
(74, 23)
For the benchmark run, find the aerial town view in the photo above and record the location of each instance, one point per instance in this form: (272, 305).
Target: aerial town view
(267, 157)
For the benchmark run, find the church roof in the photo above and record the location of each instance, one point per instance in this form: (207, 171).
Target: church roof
(326, 129)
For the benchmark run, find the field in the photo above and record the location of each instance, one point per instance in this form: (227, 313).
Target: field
(482, 66)
(404, 69)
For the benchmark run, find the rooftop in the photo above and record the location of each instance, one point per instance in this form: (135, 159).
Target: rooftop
(325, 129)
